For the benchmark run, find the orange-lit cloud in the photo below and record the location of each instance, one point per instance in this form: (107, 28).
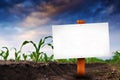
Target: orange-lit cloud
(45, 11)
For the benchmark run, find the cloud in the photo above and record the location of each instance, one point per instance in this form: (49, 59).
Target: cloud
(45, 11)
(34, 13)
(41, 16)
(29, 35)
(32, 33)
(16, 35)
(35, 19)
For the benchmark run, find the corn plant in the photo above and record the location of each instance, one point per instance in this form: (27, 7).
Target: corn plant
(36, 54)
(32, 56)
(46, 58)
(5, 54)
(41, 59)
(17, 54)
(24, 56)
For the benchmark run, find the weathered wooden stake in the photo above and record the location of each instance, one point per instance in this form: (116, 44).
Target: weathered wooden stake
(81, 61)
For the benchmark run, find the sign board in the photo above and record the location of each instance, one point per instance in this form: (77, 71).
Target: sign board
(81, 40)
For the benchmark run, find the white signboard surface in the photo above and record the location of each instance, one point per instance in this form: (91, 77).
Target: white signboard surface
(81, 40)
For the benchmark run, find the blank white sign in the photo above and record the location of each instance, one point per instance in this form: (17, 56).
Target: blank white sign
(81, 40)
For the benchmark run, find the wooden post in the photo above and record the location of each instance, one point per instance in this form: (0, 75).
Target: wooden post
(81, 61)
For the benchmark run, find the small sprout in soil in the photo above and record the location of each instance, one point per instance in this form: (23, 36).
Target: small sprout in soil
(48, 59)
(17, 54)
(4, 54)
(32, 56)
(24, 56)
(45, 58)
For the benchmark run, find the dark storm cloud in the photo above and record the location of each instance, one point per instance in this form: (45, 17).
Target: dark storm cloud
(18, 10)
(114, 5)
(61, 5)
(9, 3)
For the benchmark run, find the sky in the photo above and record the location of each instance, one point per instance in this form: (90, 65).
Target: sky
(22, 20)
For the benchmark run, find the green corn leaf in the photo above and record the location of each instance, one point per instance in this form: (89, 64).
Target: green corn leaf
(45, 57)
(24, 43)
(17, 56)
(24, 56)
(34, 45)
(41, 58)
(51, 57)
(31, 56)
(6, 54)
(40, 44)
(50, 45)
(18, 59)
(2, 52)
(34, 55)
(46, 38)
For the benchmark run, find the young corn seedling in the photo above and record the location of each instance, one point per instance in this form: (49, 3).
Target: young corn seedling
(48, 59)
(24, 56)
(17, 54)
(41, 59)
(5, 54)
(36, 54)
(31, 56)
(45, 58)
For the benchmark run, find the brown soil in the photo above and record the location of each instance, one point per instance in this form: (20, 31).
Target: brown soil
(25, 70)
